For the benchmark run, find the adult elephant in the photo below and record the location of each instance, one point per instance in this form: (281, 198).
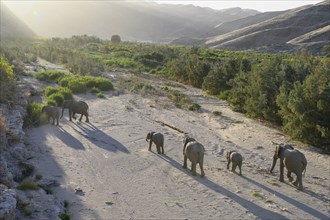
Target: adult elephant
(294, 161)
(194, 151)
(79, 107)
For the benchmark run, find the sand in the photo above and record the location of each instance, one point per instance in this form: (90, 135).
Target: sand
(105, 170)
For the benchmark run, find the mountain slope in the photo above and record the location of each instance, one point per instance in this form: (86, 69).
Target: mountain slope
(142, 21)
(11, 25)
(276, 31)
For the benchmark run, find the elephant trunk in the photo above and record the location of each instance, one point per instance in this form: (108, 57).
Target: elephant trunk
(62, 112)
(274, 163)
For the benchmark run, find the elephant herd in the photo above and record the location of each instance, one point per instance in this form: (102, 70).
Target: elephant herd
(294, 161)
(75, 107)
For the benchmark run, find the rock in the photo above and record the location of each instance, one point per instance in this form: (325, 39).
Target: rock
(4, 174)
(14, 122)
(7, 203)
(19, 152)
(48, 182)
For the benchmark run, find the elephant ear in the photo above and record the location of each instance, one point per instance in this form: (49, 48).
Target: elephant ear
(279, 151)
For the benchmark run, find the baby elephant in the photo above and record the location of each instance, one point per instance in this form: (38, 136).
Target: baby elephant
(236, 159)
(51, 112)
(158, 139)
(194, 151)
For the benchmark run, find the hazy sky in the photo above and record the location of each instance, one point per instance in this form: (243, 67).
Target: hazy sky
(19, 7)
(260, 5)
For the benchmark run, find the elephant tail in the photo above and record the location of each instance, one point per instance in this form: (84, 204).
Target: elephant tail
(305, 165)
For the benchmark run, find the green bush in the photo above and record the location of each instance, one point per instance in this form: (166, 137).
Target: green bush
(66, 92)
(64, 81)
(50, 75)
(77, 86)
(33, 113)
(57, 97)
(51, 102)
(89, 81)
(49, 90)
(103, 84)
(95, 90)
(100, 95)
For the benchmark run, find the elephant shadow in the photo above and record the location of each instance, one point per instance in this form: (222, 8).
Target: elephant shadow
(258, 211)
(98, 137)
(63, 136)
(294, 202)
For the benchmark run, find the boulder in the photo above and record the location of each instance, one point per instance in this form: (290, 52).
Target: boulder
(7, 203)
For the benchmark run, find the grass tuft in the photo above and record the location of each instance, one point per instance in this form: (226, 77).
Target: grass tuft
(28, 185)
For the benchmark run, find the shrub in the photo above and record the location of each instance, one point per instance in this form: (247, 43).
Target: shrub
(64, 81)
(77, 86)
(50, 75)
(89, 81)
(51, 102)
(57, 97)
(194, 107)
(32, 117)
(66, 92)
(65, 215)
(100, 95)
(103, 84)
(6, 71)
(49, 90)
(95, 90)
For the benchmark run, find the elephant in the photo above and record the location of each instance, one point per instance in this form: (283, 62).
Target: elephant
(158, 139)
(51, 112)
(294, 161)
(74, 107)
(236, 159)
(194, 151)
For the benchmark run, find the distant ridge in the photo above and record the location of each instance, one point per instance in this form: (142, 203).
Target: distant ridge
(134, 20)
(11, 25)
(304, 26)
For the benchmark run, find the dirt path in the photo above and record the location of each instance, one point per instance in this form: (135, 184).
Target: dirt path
(106, 171)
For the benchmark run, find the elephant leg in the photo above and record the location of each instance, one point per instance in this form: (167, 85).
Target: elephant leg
(162, 149)
(233, 168)
(158, 149)
(87, 120)
(240, 169)
(299, 180)
(193, 168)
(289, 176)
(281, 171)
(53, 120)
(228, 164)
(185, 161)
(150, 143)
(202, 169)
(57, 121)
(80, 117)
(48, 119)
(70, 115)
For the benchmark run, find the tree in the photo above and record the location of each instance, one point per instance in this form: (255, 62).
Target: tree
(115, 39)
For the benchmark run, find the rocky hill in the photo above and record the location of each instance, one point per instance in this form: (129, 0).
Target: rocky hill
(11, 25)
(280, 31)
